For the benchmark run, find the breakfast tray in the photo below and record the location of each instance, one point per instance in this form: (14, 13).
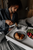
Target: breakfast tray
(26, 43)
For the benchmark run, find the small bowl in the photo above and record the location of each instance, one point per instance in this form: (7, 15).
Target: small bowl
(29, 33)
(20, 32)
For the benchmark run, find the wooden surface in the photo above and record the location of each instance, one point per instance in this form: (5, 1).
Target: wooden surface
(30, 13)
(2, 4)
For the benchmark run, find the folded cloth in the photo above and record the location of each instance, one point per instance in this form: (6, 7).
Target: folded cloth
(29, 24)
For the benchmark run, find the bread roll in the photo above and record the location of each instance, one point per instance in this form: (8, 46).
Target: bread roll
(16, 36)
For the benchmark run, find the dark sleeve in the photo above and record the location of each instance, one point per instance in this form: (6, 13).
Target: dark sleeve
(16, 18)
(3, 25)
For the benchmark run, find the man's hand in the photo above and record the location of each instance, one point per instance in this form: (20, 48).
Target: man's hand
(16, 24)
(9, 22)
(10, 29)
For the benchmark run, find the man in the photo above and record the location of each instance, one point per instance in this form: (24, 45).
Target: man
(8, 17)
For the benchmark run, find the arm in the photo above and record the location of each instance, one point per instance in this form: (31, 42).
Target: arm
(16, 19)
(3, 25)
